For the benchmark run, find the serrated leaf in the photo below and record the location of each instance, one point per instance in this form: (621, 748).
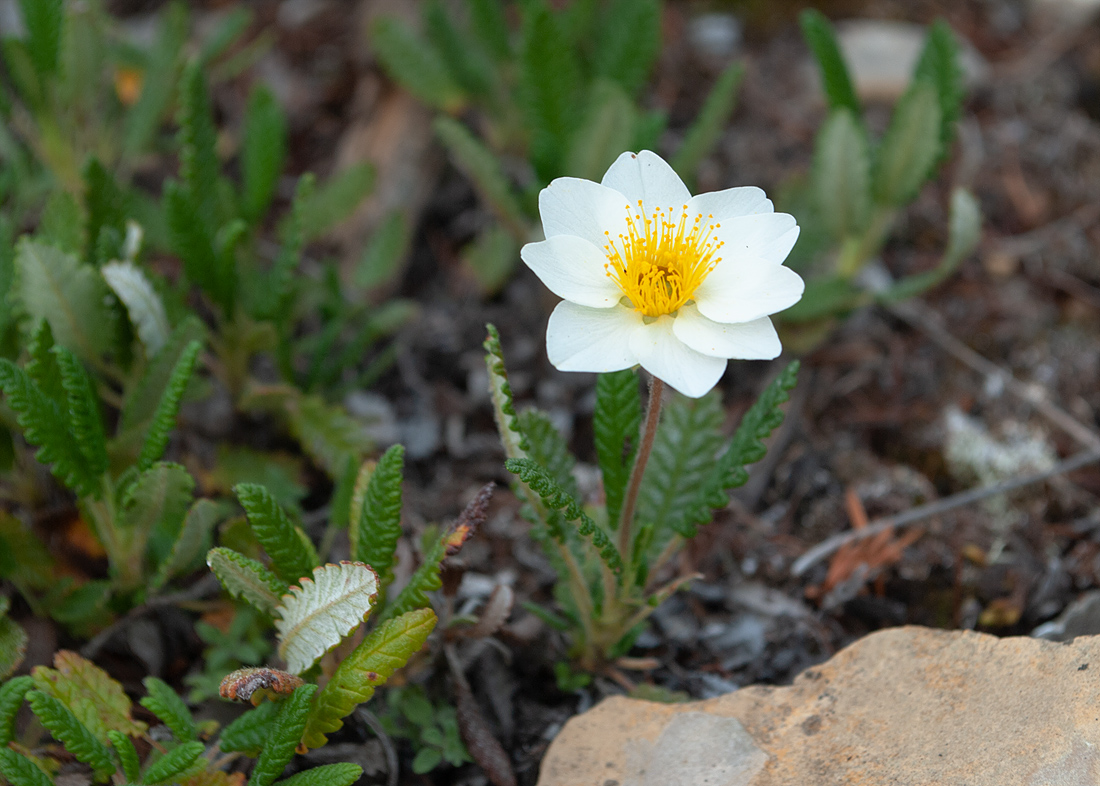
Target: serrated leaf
(483, 168)
(89, 693)
(326, 432)
(173, 763)
(127, 755)
(286, 735)
(44, 21)
(85, 421)
(339, 774)
(13, 646)
(246, 578)
(77, 738)
(143, 399)
(606, 129)
(248, 733)
(615, 424)
(12, 694)
(687, 442)
(47, 428)
(388, 647)
(42, 366)
(199, 165)
(164, 418)
(153, 509)
(263, 152)
(630, 43)
(939, 65)
(193, 540)
(192, 239)
(819, 34)
(417, 66)
(53, 285)
(911, 146)
(706, 130)
(104, 207)
(550, 82)
(375, 525)
(167, 705)
(316, 616)
(554, 497)
(546, 447)
(142, 303)
(291, 552)
(21, 771)
(500, 392)
(842, 175)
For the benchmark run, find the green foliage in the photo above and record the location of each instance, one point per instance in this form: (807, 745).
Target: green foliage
(419, 68)
(632, 42)
(199, 165)
(939, 64)
(292, 554)
(263, 153)
(250, 731)
(547, 448)
(164, 419)
(153, 509)
(910, 147)
(374, 661)
(244, 644)
(127, 755)
(85, 422)
(431, 727)
(842, 174)
(339, 774)
(73, 734)
(704, 133)
(173, 763)
(166, 704)
(834, 73)
(89, 693)
(12, 693)
(44, 21)
(143, 305)
(246, 578)
(286, 733)
(13, 644)
(21, 771)
(375, 524)
(105, 206)
(615, 425)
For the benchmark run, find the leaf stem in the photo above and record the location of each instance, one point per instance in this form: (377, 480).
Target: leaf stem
(649, 431)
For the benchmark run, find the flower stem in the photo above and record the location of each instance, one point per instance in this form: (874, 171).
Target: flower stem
(649, 431)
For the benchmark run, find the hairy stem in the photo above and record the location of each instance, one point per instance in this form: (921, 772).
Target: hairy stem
(649, 431)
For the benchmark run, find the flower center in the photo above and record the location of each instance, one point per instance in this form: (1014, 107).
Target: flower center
(661, 260)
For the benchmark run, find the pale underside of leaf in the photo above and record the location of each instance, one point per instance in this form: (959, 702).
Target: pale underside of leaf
(316, 616)
(142, 303)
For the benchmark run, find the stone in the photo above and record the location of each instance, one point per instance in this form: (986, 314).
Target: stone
(904, 706)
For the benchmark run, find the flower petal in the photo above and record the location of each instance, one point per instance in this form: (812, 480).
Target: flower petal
(741, 290)
(756, 340)
(760, 236)
(669, 359)
(572, 206)
(648, 177)
(572, 268)
(730, 203)
(591, 339)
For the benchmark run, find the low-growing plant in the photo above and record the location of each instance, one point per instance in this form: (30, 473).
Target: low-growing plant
(431, 728)
(857, 188)
(557, 97)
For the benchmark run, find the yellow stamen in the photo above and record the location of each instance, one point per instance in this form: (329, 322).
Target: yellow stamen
(661, 261)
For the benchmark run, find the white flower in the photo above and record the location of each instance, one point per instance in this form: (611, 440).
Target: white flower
(653, 276)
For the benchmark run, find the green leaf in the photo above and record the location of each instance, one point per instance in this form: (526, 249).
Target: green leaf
(492, 258)
(250, 731)
(555, 498)
(143, 400)
(489, 23)
(380, 264)
(105, 206)
(13, 643)
(127, 755)
(550, 82)
(292, 554)
(615, 425)
(375, 525)
(44, 21)
(630, 43)
(687, 442)
(910, 148)
(386, 649)
(842, 175)
(704, 133)
(939, 65)
(173, 763)
(85, 422)
(819, 34)
(285, 736)
(72, 297)
(198, 137)
(60, 224)
(89, 693)
(500, 391)
(164, 419)
(547, 448)
(426, 760)
(327, 433)
(42, 366)
(193, 540)
(167, 705)
(965, 232)
(339, 774)
(153, 509)
(12, 694)
(192, 239)
(19, 770)
(467, 65)
(475, 161)
(45, 427)
(142, 302)
(316, 616)
(74, 735)
(159, 80)
(263, 153)
(826, 297)
(228, 31)
(336, 199)
(246, 578)
(414, 64)
(606, 129)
